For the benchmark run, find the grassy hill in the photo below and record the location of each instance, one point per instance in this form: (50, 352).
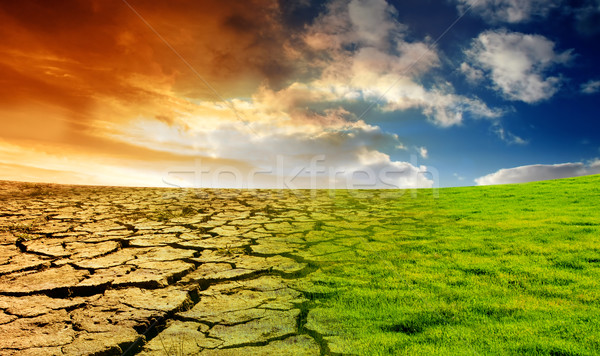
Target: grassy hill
(511, 269)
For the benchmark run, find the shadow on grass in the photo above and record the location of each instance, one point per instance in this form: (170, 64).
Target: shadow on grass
(419, 322)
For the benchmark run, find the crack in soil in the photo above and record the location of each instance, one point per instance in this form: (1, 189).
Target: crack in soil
(229, 225)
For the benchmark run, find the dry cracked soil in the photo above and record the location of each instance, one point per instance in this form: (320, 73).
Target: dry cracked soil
(110, 271)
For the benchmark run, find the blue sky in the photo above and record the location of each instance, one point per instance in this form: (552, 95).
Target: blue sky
(339, 93)
(558, 129)
(560, 126)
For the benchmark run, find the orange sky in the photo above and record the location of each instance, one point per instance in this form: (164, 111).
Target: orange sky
(90, 94)
(70, 73)
(88, 61)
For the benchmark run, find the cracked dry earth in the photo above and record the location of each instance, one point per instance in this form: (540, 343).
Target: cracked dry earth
(108, 270)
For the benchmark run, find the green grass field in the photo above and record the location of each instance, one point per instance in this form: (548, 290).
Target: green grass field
(512, 269)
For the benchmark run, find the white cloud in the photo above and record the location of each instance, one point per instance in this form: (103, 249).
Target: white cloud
(360, 54)
(512, 11)
(294, 155)
(373, 22)
(517, 64)
(590, 87)
(539, 172)
(508, 136)
(367, 57)
(473, 75)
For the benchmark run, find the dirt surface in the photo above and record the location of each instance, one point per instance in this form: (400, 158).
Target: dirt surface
(107, 271)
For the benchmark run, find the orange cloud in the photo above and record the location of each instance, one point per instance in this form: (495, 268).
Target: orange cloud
(79, 55)
(87, 88)
(71, 70)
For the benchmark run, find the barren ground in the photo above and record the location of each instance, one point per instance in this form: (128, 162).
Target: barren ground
(105, 270)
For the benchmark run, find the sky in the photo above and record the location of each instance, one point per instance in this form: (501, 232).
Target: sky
(299, 94)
